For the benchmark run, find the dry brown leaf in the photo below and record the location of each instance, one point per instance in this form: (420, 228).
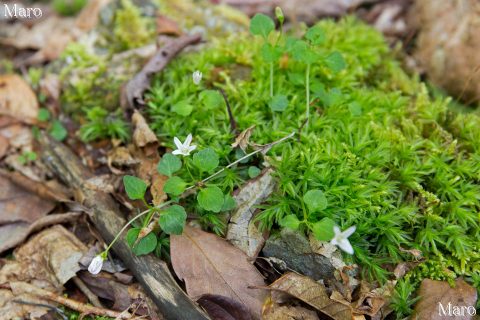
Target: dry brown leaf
(374, 302)
(242, 231)
(3, 146)
(313, 294)
(17, 99)
(165, 25)
(435, 293)
(243, 139)
(223, 308)
(278, 312)
(210, 265)
(142, 135)
(87, 19)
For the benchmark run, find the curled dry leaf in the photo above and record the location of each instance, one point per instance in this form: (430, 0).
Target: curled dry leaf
(242, 231)
(433, 293)
(223, 308)
(277, 312)
(142, 135)
(165, 25)
(312, 293)
(243, 139)
(210, 265)
(17, 99)
(374, 302)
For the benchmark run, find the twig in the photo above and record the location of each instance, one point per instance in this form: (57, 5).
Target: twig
(86, 291)
(47, 306)
(262, 149)
(233, 123)
(72, 304)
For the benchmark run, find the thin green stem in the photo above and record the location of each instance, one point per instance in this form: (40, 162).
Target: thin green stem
(141, 214)
(307, 94)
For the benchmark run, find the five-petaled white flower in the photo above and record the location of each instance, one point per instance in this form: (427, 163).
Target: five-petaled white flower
(197, 77)
(184, 148)
(96, 265)
(341, 239)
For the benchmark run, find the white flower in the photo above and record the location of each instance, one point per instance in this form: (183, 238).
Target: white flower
(96, 265)
(197, 77)
(184, 148)
(341, 239)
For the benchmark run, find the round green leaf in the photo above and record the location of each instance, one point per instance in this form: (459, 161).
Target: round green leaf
(315, 35)
(229, 203)
(355, 109)
(211, 199)
(211, 99)
(174, 186)
(261, 25)
(270, 53)
(172, 220)
(323, 230)
(206, 159)
(58, 131)
(253, 172)
(169, 164)
(335, 61)
(315, 200)
(291, 221)
(279, 103)
(145, 245)
(134, 187)
(183, 108)
(43, 115)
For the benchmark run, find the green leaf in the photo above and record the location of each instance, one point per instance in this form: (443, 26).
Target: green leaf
(315, 200)
(315, 35)
(229, 203)
(270, 53)
(211, 199)
(302, 52)
(261, 25)
(58, 131)
(355, 109)
(169, 164)
(206, 159)
(172, 220)
(323, 229)
(174, 186)
(253, 172)
(43, 115)
(335, 61)
(145, 245)
(183, 108)
(291, 221)
(279, 103)
(211, 99)
(134, 187)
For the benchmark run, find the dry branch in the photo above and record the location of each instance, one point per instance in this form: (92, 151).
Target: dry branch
(152, 273)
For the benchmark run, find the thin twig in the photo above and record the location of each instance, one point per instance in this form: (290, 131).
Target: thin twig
(233, 123)
(262, 149)
(87, 292)
(43, 305)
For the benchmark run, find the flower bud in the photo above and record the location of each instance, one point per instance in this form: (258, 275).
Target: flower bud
(96, 265)
(197, 77)
(279, 15)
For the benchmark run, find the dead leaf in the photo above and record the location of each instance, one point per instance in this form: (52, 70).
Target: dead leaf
(210, 265)
(434, 293)
(17, 99)
(242, 231)
(3, 146)
(142, 135)
(243, 139)
(372, 302)
(165, 25)
(277, 312)
(223, 308)
(313, 294)
(87, 19)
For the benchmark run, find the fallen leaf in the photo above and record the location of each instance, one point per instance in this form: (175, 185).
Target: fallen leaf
(435, 293)
(17, 99)
(223, 308)
(3, 146)
(278, 312)
(87, 19)
(167, 26)
(373, 302)
(210, 265)
(243, 139)
(242, 231)
(313, 294)
(142, 135)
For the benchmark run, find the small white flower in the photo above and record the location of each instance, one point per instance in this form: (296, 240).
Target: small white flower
(184, 148)
(197, 77)
(341, 239)
(96, 265)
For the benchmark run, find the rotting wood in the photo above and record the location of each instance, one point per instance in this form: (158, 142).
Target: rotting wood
(152, 273)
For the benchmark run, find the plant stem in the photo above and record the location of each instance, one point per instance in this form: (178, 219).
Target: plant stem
(271, 79)
(307, 93)
(132, 220)
(241, 159)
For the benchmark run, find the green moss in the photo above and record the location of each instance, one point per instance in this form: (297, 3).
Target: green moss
(390, 158)
(68, 7)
